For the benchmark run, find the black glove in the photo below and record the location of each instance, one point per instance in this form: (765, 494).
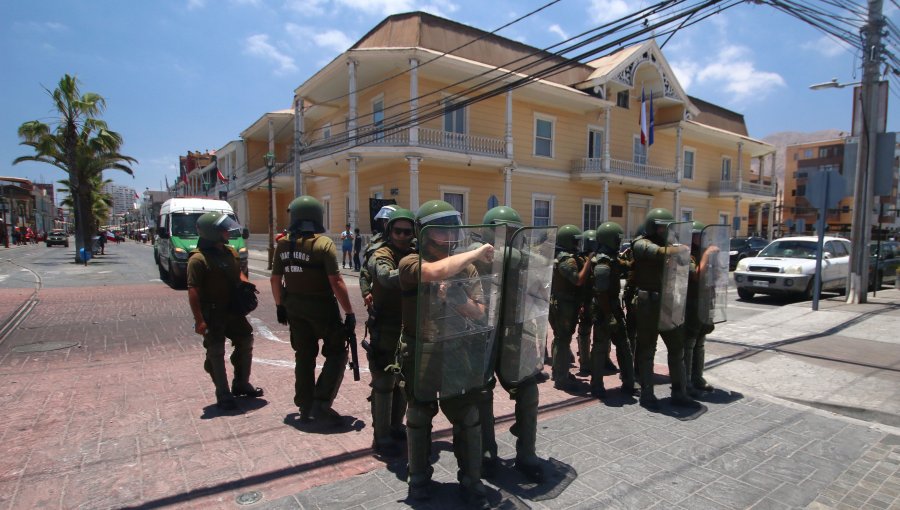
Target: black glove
(281, 313)
(350, 322)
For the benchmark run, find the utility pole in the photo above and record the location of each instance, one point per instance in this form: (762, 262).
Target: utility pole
(870, 107)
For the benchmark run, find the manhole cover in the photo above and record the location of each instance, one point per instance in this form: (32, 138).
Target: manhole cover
(44, 346)
(248, 498)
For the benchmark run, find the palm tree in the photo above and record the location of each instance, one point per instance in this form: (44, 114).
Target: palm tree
(79, 144)
(99, 205)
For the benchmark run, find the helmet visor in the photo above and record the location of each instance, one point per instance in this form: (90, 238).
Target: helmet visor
(384, 213)
(228, 224)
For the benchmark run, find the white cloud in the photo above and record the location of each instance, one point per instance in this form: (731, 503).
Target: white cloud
(556, 29)
(307, 7)
(443, 8)
(196, 4)
(736, 73)
(333, 39)
(685, 71)
(602, 11)
(826, 46)
(385, 7)
(258, 46)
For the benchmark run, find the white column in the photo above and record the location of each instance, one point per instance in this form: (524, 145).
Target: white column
(413, 181)
(298, 146)
(606, 135)
(676, 204)
(353, 191)
(351, 115)
(759, 208)
(507, 186)
(771, 219)
(509, 137)
(740, 166)
(679, 153)
(605, 217)
(413, 101)
(737, 212)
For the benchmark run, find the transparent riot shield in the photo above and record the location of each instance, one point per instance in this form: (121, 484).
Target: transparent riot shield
(457, 315)
(676, 273)
(528, 271)
(712, 273)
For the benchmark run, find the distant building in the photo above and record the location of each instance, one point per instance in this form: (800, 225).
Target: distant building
(123, 198)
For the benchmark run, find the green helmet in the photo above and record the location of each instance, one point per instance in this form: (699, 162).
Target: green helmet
(657, 217)
(588, 241)
(567, 237)
(211, 225)
(434, 212)
(503, 215)
(697, 227)
(400, 214)
(306, 215)
(609, 236)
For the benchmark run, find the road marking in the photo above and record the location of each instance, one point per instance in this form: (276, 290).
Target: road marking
(264, 331)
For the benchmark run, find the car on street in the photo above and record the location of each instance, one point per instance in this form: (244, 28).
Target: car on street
(787, 267)
(743, 247)
(57, 237)
(888, 260)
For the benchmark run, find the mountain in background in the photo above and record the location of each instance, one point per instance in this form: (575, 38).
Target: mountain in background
(782, 139)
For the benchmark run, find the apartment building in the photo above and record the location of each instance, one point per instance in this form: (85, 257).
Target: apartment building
(123, 199)
(394, 117)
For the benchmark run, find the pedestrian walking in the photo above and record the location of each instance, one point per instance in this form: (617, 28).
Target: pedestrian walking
(307, 287)
(213, 273)
(346, 247)
(357, 248)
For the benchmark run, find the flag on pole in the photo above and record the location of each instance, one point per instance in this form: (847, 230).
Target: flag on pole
(221, 177)
(644, 133)
(136, 197)
(650, 127)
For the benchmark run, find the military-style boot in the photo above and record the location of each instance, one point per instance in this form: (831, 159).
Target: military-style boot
(327, 388)
(698, 359)
(242, 360)
(381, 425)
(526, 410)
(467, 445)
(584, 355)
(418, 444)
(488, 439)
(598, 390)
(626, 374)
(215, 365)
(645, 376)
(680, 395)
(398, 412)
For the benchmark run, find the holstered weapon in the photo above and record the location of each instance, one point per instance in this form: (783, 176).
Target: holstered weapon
(354, 355)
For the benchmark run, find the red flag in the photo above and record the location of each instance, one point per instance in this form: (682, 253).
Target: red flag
(136, 197)
(643, 121)
(221, 177)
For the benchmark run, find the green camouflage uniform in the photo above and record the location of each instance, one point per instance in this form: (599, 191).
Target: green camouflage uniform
(609, 323)
(565, 299)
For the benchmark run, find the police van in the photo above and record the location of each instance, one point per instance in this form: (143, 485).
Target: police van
(177, 236)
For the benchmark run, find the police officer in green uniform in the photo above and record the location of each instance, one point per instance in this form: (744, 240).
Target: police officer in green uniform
(388, 398)
(524, 392)
(609, 319)
(650, 254)
(377, 240)
(307, 287)
(569, 276)
(437, 264)
(213, 271)
(587, 247)
(694, 330)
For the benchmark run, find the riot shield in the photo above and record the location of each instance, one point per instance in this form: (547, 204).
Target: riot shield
(458, 315)
(528, 271)
(676, 272)
(712, 273)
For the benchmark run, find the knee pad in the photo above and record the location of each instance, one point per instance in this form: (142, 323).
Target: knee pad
(419, 416)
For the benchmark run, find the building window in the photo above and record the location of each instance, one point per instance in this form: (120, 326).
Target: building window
(640, 151)
(458, 198)
(543, 136)
(622, 99)
(726, 169)
(326, 206)
(801, 190)
(823, 152)
(454, 120)
(592, 214)
(687, 214)
(326, 131)
(688, 164)
(595, 143)
(807, 153)
(378, 118)
(542, 210)
(723, 219)
(615, 211)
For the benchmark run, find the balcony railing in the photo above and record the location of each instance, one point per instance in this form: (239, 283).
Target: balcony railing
(734, 187)
(625, 169)
(428, 137)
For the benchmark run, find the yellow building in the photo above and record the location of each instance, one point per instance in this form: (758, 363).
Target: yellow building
(411, 112)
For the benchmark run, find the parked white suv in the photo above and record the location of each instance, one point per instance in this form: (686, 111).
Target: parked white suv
(787, 267)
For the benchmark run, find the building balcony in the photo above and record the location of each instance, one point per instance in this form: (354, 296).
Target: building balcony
(626, 169)
(741, 188)
(428, 138)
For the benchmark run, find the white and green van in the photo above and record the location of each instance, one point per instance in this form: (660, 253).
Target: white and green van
(177, 235)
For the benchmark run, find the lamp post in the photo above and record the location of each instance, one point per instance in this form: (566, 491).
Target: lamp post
(269, 159)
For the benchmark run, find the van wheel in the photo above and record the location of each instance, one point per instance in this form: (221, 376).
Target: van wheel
(745, 294)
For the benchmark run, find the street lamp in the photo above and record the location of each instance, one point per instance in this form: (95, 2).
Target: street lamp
(269, 159)
(833, 84)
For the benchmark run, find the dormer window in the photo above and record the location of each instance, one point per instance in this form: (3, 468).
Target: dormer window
(622, 99)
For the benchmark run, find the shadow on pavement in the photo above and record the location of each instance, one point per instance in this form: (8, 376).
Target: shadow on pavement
(245, 405)
(346, 424)
(513, 484)
(719, 396)
(617, 398)
(682, 413)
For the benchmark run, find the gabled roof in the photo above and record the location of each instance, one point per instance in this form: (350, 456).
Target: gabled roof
(718, 117)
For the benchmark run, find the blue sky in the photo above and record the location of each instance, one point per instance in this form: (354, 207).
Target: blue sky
(183, 75)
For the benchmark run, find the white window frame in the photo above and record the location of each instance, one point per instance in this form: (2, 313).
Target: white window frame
(465, 113)
(458, 190)
(377, 127)
(591, 130)
(326, 206)
(546, 118)
(722, 169)
(693, 151)
(326, 131)
(545, 197)
(591, 201)
(727, 216)
(687, 211)
(635, 143)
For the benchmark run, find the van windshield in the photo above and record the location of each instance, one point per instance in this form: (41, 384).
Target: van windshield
(185, 225)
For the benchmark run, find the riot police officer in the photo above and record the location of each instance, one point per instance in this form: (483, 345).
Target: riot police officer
(695, 329)
(587, 247)
(376, 241)
(650, 256)
(213, 271)
(388, 398)
(569, 276)
(442, 298)
(307, 287)
(520, 344)
(609, 319)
